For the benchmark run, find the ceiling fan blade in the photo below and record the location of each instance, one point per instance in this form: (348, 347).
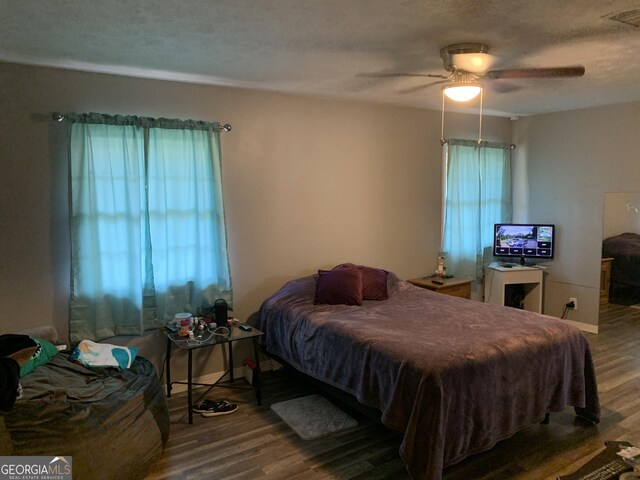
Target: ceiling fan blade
(420, 87)
(553, 72)
(399, 74)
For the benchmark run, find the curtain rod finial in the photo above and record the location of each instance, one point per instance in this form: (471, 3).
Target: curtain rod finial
(226, 127)
(57, 116)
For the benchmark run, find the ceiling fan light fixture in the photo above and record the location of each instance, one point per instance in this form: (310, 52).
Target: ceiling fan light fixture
(462, 93)
(478, 63)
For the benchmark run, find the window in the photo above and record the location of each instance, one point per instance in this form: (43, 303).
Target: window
(477, 195)
(147, 223)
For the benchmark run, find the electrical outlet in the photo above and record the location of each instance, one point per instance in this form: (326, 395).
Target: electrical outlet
(575, 302)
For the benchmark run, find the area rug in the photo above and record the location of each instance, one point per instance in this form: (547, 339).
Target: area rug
(313, 416)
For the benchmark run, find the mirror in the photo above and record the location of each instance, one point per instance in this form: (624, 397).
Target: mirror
(621, 249)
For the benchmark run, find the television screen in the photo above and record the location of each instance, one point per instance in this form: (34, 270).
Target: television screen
(520, 240)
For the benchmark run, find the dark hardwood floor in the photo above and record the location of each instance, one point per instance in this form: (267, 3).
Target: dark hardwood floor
(253, 443)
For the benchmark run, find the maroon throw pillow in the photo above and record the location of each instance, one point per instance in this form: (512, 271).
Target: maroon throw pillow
(374, 281)
(339, 287)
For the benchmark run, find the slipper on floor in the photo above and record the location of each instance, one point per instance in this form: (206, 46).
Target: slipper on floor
(220, 407)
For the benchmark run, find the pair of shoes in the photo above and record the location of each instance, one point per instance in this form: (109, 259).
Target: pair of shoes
(220, 407)
(213, 408)
(203, 405)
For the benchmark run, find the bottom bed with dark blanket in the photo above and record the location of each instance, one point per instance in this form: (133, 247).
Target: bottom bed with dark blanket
(453, 375)
(113, 423)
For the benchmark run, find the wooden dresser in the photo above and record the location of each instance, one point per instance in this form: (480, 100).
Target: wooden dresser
(450, 286)
(605, 279)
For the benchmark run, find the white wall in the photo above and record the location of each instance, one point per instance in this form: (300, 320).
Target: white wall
(308, 183)
(571, 159)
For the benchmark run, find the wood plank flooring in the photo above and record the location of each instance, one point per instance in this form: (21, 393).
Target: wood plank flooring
(254, 444)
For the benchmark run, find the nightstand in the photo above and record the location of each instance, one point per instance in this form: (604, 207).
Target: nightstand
(455, 287)
(605, 279)
(209, 340)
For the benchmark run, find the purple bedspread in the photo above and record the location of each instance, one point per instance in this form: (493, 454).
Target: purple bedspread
(454, 376)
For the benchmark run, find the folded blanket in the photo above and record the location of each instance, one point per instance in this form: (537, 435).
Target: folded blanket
(9, 378)
(12, 342)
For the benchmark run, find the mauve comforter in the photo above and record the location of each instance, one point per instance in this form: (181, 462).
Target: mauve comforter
(454, 375)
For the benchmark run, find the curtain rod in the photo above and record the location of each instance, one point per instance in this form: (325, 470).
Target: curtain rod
(511, 146)
(58, 117)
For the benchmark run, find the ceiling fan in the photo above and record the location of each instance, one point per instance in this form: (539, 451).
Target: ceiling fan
(470, 64)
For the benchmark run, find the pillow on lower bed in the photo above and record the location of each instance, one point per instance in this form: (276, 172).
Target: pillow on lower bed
(374, 281)
(92, 354)
(43, 355)
(339, 287)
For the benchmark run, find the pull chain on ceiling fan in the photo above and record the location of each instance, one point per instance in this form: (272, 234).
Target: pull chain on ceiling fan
(469, 66)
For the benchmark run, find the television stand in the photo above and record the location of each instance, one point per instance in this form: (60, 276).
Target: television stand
(518, 287)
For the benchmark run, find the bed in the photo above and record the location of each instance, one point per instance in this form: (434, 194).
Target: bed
(625, 267)
(452, 375)
(113, 423)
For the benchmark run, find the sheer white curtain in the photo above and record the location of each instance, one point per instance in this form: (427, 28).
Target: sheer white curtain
(147, 223)
(478, 195)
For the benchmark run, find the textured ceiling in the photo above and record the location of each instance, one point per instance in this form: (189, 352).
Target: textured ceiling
(318, 47)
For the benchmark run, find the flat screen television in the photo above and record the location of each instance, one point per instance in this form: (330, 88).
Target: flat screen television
(515, 240)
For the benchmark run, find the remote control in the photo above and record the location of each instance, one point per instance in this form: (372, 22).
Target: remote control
(244, 326)
(437, 282)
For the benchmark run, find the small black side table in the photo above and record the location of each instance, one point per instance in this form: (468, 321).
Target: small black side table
(209, 339)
